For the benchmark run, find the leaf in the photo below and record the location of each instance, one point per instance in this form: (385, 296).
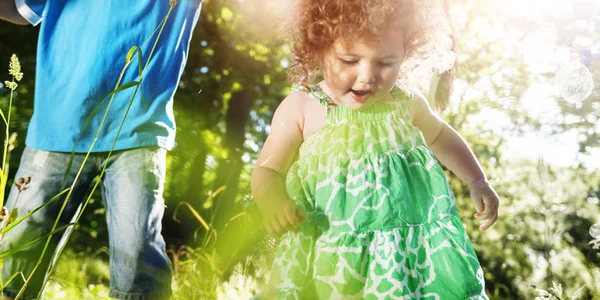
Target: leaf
(226, 14)
(238, 216)
(124, 87)
(129, 54)
(15, 250)
(144, 103)
(12, 141)
(193, 211)
(3, 117)
(16, 222)
(578, 293)
(87, 122)
(556, 288)
(140, 68)
(12, 215)
(140, 57)
(13, 277)
(543, 295)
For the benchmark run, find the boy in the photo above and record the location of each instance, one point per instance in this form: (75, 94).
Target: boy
(81, 50)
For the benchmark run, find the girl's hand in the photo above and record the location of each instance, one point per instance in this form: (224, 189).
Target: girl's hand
(281, 217)
(486, 203)
(280, 213)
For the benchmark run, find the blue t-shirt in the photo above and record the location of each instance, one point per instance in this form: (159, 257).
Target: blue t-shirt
(82, 49)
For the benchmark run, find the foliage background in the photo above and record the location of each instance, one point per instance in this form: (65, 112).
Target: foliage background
(236, 77)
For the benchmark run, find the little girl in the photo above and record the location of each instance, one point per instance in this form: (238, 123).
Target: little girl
(348, 177)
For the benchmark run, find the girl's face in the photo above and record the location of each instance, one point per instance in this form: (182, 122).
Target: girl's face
(362, 72)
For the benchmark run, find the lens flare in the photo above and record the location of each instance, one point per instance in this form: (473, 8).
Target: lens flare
(573, 82)
(595, 231)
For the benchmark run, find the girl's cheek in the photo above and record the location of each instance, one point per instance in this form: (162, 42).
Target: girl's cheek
(390, 76)
(341, 77)
(347, 75)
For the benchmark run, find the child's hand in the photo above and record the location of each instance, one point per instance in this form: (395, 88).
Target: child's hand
(280, 217)
(486, 203)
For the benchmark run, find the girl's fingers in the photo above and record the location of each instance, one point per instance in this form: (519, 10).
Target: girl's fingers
(277, 229)
(490, 215)
(490, 221)
(477, 201)
(290, 213)
(300, 214)
(487, 213)
(491, 204)
(285, 224)
(268, 227)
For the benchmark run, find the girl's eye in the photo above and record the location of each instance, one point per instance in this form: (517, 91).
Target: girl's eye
(385, 64)
(348, 62)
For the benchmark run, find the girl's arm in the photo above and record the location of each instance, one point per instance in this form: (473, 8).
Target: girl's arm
(280, 214)
(452, 151)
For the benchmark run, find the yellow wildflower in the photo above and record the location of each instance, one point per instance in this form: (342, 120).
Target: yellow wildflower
(11, 85)
(15, 68)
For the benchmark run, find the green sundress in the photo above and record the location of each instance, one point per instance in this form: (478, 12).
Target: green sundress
(382, 220)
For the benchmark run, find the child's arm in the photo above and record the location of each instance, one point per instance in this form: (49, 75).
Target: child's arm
(9, 12)
(280, 214)
(452, 151)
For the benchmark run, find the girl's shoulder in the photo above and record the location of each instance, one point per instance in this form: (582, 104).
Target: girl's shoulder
(293, 106)
(296, 107)
(310, 109)
(417, 104)
(308, 99)
(412, 99)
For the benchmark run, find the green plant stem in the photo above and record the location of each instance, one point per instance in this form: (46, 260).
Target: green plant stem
(110, 151)
(4, 178)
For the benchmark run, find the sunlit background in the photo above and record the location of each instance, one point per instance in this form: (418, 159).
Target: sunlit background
(524, 64)
(525, 97)
(545, 36)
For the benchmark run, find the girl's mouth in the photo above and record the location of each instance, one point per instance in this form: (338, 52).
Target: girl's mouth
(362, 95)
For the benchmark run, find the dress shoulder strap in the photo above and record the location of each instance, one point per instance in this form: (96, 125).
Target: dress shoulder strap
(314, 92)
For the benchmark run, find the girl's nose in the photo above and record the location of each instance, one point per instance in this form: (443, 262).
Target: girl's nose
(367, 75)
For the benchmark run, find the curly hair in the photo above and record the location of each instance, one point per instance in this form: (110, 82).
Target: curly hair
(425, 29)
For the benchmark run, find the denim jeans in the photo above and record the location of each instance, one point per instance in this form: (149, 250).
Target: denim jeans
(132, 191)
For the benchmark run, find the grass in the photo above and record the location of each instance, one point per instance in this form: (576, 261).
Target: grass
(79, 276)
(86, 276)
